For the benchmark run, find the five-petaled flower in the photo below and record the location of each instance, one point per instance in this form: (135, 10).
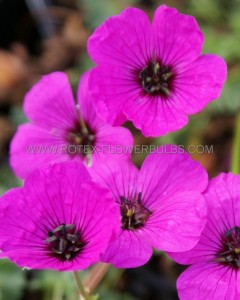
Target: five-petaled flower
(215, 261)
(62, 219)
(152, 74)
(59, 220)
(161, 205)
(62, 131)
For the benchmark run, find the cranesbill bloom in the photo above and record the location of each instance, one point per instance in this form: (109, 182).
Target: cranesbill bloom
(215, 270)
(152, 74)
(62, 131)
(57, 220)
(161, 205)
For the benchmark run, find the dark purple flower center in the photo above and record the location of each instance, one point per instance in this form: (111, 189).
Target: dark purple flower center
(82, 138)
(134, 214)
(230, 253)
(157, 79)
(65, 242)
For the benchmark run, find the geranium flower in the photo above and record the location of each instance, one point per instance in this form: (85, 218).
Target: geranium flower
(161, 205)
(57, 220)
(62, 131)
(152, 74)
(215, 270)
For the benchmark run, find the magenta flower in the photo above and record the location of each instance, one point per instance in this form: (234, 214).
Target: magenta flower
(215, 270)
(152, 74)
(161, 205)
(57, 220)
(61, 131)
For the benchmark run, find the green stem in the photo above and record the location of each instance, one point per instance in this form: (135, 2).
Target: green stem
(235, 162)
(96, 275)
(89, 156)
(80, 287)
(81, 121)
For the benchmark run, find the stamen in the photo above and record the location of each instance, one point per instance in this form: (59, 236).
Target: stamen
(65, 242)
(157, 79)
(230, 253)
(134, 214)
(81, 136)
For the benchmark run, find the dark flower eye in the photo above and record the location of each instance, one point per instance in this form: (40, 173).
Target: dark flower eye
(161, 205)
(62, 225)
(59, 130)
(134, 214)
(215, 259)
(157, 75)
(230, 252)
(65, 242)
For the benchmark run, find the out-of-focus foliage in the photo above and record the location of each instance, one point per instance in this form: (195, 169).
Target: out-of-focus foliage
(24, 60)
(10, 276)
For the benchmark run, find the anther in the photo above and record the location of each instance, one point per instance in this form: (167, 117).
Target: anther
(230, 253)
(134, 214)
(156, 79)
(65, 242)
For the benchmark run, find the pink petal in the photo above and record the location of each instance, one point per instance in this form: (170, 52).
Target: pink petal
(98, 220)
(86, 107)
(19, 228)
(123, 40)
(107, 137)
(177, 37)
(119, 177)
(36, 147)
(124, 45)
(51, 197)
(199, 83)
(210, 242)
(177, 221)
(154, 115)
(109, 85)
(112, 142)
(205, 250)
(129, 250)
(171, 184)
(59, 182)
(208, 281)
(50, 103)
(169, 170)
(222, 197)
(39, 260)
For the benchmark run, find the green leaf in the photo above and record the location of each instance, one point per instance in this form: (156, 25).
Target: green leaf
(235, 163)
